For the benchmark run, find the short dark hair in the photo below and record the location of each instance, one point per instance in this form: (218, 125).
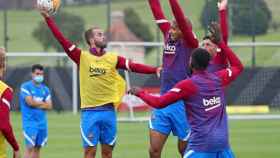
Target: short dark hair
(37, 67)
(89, 34)
(206, 37)
(200, 59)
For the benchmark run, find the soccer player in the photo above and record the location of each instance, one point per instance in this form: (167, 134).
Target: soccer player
(35, 100)
(99, 90)
(219, 60)
(179, 40)
(204, 98)
(6, 95)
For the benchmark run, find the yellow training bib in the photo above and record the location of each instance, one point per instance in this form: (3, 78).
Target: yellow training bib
(2, 146)
(3, 87)
(100, 82)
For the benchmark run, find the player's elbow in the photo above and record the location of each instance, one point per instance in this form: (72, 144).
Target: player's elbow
(49, 106)
(158, 104)
(195, 44)
(238, 70)
(241, 67)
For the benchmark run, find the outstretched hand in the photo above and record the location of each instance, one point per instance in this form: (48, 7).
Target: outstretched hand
(134, 90)
(43, 10)
(44, 13)
(222, 5)
(215, 32)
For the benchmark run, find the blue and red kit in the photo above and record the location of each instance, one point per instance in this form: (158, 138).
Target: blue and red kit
(203, 95)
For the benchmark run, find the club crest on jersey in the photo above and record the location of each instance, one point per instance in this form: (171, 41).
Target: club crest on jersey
(211, 103)
(94, 71)
(169, 49)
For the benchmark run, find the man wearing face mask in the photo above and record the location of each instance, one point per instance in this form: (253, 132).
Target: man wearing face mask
(35, 100)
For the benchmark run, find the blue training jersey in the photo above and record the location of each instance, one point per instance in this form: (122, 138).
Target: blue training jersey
(32, 116)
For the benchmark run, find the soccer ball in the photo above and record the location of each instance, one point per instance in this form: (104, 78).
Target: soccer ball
(51, 6)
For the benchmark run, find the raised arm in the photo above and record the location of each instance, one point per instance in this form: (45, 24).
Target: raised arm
(5, 125)
(126, 64)
(216, 36)
(158, 14)
(236, 67)
(72, 51)
(222, 6)
(182, 90)
(184, 24)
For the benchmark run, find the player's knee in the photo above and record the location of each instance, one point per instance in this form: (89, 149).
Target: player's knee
(154, 151)
(106, 153)
(89, 152)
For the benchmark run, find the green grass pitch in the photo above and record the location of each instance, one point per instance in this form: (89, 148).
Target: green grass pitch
(249, 138)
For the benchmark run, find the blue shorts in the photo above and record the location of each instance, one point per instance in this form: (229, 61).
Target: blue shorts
(222, 154)
(35, 137)
(172, 118)
(98, 126)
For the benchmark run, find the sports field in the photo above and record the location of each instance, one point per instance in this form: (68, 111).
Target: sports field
(249, 138)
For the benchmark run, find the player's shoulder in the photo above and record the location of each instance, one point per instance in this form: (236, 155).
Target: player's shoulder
(26, 84)
(45, 87)
(3, 84)
(111, 57)
(186, 83)
(4, 88)
(112, 54)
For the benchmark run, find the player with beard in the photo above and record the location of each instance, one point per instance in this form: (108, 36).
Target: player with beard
(101, 87)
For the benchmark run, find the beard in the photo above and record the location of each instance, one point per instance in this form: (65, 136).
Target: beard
(101, 45)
